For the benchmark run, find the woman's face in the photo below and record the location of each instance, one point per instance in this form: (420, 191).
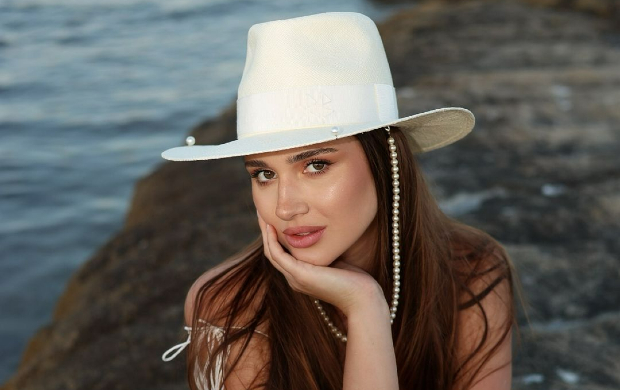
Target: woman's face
(326, 186)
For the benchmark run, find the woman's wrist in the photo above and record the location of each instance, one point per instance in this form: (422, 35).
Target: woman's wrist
(370, 359)
(370, 301)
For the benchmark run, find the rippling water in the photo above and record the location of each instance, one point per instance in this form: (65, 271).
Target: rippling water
(90, 94)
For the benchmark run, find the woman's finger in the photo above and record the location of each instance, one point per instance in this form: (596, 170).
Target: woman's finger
(279, 258)
(265, 229)
(294, 268)
(271, 244)
(298, 274)
(274, 246)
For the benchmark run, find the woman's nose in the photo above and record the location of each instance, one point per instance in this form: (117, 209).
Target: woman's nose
(290, 201)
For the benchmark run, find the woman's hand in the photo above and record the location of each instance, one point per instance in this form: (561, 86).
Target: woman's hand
(343, 285)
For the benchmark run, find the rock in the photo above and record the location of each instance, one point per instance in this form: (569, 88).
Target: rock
(569, 355)
(540, 172)
(603, 8)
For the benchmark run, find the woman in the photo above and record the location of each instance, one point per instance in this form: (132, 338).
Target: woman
(358, 280)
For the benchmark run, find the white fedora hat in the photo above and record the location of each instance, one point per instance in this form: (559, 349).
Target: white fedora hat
(317, 78)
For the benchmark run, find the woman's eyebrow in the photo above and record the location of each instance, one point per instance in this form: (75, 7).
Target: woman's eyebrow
(293, 159)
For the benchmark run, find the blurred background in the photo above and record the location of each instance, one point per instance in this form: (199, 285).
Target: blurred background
(100, 238)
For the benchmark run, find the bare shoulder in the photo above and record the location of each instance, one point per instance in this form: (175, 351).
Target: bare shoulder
(192, 294)
(485, 323)
(251, 362)
(231, 288)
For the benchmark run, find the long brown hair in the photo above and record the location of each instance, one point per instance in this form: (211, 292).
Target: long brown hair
(442, 260)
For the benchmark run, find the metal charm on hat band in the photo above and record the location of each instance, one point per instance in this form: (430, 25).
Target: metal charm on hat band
(335, 131)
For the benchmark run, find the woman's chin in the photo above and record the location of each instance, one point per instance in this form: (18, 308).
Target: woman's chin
(309, 256)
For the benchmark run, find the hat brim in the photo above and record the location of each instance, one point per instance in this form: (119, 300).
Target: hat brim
(427, 131)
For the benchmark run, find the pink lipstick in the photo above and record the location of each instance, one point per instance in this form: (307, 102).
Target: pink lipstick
(303, 236)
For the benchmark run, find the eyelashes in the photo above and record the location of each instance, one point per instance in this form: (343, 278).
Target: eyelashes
(256, 175)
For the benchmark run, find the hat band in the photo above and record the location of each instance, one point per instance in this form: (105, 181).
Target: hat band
(315, 106)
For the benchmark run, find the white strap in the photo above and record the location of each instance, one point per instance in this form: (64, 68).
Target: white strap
(178, 347)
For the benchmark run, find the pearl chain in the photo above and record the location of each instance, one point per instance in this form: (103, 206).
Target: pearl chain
(395, 245)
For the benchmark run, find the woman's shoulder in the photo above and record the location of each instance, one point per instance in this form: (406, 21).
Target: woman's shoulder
(251, 358)
(192, 294)
(475, 249)
(219, 300)
(480, 264)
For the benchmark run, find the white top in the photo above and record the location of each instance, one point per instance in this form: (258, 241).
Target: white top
(211, 336)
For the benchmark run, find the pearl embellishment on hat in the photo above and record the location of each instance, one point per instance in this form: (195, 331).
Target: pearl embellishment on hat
(190, 140)
(395, 243)
(335, 131)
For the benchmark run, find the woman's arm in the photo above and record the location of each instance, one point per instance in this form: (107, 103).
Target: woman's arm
(370, 361)
(495, 307)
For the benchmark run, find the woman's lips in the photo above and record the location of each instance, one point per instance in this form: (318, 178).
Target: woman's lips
(304, 241)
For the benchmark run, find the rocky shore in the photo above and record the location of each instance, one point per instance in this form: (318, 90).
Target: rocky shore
(540, 172)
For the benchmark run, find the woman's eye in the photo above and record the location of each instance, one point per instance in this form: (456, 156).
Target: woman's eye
(316, 167)
(264, 176)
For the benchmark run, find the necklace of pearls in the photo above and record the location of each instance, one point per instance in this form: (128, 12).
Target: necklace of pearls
(395, 245)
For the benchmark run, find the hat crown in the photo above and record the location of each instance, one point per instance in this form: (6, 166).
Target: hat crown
(317, 78)
(333, 48)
